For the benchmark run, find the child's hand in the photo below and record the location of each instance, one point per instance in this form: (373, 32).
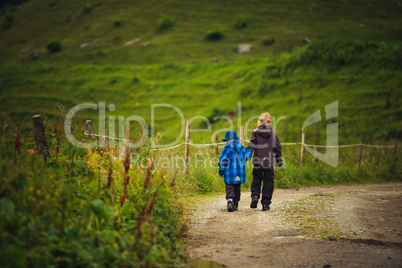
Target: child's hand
(279, 162)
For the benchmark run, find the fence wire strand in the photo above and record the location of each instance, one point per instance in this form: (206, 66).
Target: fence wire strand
(201, 145)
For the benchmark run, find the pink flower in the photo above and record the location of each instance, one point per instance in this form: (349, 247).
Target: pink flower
(31, 151)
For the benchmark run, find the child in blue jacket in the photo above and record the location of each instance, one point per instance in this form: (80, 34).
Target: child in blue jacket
(232, 166)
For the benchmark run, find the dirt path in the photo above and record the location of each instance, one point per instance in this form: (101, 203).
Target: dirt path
(334, 226)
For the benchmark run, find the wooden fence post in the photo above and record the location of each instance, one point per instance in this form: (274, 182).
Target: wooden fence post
(361, 150)
(40, 138)
(88, 129)
(302, 149)
(217, 145)
(112, 133)
(127, 137)
(69, 130)
(242, 135)
(187, 151)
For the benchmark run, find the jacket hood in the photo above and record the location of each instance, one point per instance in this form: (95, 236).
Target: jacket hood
(234, 146)
(264, 131)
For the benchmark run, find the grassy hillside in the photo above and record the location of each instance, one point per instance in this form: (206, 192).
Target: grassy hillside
(113, 23)
(365, 78)
(354, 58)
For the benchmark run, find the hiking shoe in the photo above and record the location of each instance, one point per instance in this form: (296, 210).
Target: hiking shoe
(236, 206)
(254, 201)
(265, 207)
(230, 205)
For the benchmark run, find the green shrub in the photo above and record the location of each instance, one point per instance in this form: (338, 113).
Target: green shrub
(215, 34)
(268, 42)
(246, 91)
(165, 23)
(67, 211)
(272, 71)
(266, 87)
(54, 46)
(214, 113)
(87, 9)
(117, 39)
(339, 53)
(241, 22)
(8, 22)
(117, 23)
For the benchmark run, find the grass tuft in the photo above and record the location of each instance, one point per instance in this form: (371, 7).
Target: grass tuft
(165, 23)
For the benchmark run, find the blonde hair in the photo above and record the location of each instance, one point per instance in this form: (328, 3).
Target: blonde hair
(266, 116)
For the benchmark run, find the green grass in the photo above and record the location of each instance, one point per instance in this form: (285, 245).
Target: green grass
(306, 214)
(288, 22)
(354, 58)
(379, 165)
(79, 208)
(364, 77)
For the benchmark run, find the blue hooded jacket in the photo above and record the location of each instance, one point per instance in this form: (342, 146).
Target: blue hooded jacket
(232, 162)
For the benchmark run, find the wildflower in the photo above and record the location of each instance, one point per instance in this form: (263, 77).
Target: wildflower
(38, 191)
(31, 189)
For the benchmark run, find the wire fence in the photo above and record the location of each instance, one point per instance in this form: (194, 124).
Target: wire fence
(203, 145)
(40, 140)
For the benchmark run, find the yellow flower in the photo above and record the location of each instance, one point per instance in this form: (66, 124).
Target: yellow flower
(31, 189)
(38, 191)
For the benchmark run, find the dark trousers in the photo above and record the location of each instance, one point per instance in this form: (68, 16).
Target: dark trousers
(265, 175)
(233, 191)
